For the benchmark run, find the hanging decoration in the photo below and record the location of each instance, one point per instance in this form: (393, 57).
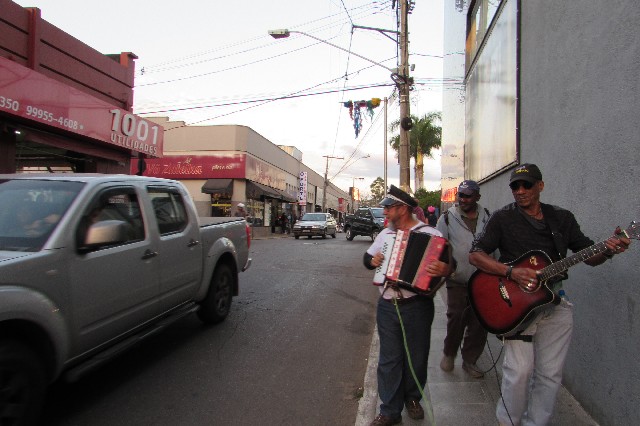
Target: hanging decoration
(354, 111)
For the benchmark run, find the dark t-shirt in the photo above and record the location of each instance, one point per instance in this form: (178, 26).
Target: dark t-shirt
(514, 233)
(432, 219)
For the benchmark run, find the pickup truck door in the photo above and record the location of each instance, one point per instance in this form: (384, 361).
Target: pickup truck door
(360, 222)
(179, 246)
(113, 288)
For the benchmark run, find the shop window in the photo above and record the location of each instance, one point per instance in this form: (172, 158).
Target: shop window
(220, 205)
(255, 212)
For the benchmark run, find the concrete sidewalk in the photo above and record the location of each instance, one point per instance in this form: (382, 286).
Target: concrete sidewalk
(455, 398)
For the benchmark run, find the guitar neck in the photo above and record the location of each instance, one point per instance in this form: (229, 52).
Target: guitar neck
(561, 266)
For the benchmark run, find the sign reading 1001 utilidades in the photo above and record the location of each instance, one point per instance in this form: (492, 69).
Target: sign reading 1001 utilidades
(29, 94)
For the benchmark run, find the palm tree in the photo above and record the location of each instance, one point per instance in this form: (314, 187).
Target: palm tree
(425, 136)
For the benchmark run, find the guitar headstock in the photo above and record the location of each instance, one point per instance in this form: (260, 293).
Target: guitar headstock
(632, 232)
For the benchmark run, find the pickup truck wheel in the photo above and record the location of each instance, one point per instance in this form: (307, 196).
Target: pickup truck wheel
(334, 234)
(324, 236)
(297, 237)
(215, 307)
(22, 384)
(374, 234)
(350, 234)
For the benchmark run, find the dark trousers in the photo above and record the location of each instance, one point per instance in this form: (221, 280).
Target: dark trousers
(396, 384)
(462, 323)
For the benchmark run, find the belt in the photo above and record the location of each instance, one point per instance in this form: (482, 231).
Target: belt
(402, 301)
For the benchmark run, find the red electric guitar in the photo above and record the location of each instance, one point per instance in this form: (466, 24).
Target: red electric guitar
(504, 308)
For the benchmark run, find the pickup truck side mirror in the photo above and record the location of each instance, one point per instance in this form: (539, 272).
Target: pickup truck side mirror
(105, 233)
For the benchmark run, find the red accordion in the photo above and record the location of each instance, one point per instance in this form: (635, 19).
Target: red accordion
(406, 255)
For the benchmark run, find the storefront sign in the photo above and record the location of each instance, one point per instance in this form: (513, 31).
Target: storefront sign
(449, 195)
(302, 189)
(264, 173)
(194, 166)
(28, 94)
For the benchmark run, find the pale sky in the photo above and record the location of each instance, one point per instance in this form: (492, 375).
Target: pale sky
(213, 62)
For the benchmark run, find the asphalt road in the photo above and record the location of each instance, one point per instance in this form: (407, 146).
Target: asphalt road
(293, 351)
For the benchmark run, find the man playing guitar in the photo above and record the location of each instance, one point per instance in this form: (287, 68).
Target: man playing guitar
(541, 347)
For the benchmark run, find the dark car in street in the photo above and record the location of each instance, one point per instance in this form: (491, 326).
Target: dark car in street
(315, 224)
(366, 221)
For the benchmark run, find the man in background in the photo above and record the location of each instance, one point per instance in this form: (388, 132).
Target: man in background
(460, 224)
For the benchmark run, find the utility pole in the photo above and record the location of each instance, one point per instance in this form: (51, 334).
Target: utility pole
(326, 181)
(403, 89)
(386, 101)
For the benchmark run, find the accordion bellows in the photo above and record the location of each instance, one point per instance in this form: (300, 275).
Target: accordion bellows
(406, 254)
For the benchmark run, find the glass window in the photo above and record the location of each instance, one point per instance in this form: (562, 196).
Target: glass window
(492, 91)
(114, 204)
(169, 209)
(378, 212)
(480, 18)
(31, 210)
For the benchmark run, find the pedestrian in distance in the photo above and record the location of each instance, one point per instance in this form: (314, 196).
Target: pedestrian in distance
(283, 223)
(396, 385)
(534, 356)
(417, 210)
(432, 219)
(240, 211)
(460, 224)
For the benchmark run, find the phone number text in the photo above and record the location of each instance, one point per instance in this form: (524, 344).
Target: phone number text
(39, 113)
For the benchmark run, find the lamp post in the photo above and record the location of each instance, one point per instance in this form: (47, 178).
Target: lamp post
(284, 33)
(353, 192)
(399, 76)
(326, 181)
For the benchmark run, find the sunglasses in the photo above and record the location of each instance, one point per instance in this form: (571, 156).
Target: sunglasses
(461, 195)
(515, 185)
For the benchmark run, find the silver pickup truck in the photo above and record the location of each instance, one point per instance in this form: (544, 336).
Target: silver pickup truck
(92, 264)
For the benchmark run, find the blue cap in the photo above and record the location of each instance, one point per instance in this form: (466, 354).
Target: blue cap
(469, 187)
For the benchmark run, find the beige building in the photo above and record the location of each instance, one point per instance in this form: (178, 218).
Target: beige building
(223, 166)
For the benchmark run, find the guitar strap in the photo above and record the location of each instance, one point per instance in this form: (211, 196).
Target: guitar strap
(549, 213)
(561, 247)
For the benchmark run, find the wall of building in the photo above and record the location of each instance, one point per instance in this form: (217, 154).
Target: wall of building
(579, 67)
(44, 69)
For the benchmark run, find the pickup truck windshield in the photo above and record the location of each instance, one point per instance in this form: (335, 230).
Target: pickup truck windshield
(378, 212)
(31, 209)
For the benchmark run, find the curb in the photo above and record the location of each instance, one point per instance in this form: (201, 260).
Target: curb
(368, 403)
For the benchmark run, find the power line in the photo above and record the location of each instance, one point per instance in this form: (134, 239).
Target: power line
(278, 98)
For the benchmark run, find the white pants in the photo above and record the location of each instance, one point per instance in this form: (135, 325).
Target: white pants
(532, 371)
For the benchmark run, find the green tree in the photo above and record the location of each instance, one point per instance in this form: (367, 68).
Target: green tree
(425, 136)
(428, 198)
(378, 191)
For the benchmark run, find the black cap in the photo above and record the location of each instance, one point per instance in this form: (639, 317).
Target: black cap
(469, 187)
(397, 195)
(527, 172)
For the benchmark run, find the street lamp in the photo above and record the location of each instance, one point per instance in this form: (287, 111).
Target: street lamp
(284, 33)
(399, 76)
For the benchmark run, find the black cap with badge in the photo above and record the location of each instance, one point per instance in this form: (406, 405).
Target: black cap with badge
(397, 195)
(527, 172)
